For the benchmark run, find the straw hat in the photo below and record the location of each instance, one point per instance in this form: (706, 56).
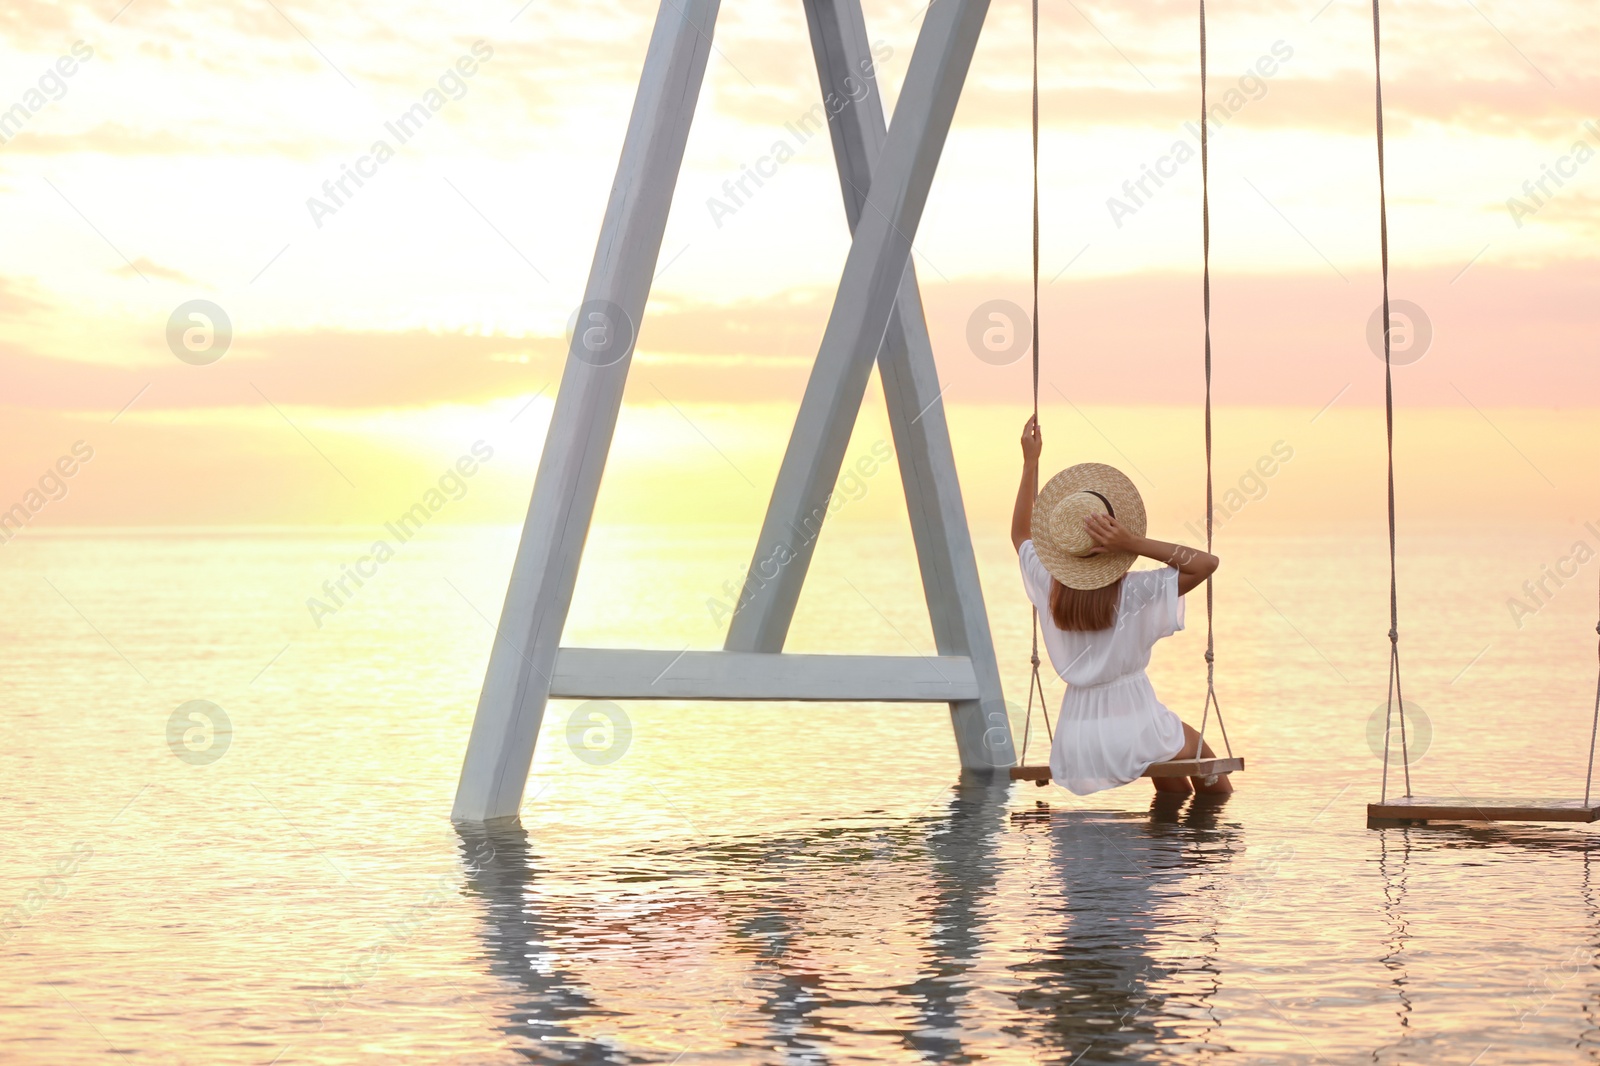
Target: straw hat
(1058, 534)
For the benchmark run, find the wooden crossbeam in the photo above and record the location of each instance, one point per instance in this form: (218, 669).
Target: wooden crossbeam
(1178, 768)
(1420, 810)
(633, 674)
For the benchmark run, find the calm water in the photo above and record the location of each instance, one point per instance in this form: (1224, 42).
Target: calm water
(783, 884)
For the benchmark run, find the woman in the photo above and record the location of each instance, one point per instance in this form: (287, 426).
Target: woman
(1076, 545)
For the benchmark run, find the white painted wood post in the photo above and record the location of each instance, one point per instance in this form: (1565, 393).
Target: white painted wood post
(916, 407)
(922, 439)
(878, 257)
(516, 684)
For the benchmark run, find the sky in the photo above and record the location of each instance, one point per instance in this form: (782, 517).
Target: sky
(376, 336)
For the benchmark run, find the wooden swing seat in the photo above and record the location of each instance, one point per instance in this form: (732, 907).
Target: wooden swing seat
(1420, 810)
(1040, 775)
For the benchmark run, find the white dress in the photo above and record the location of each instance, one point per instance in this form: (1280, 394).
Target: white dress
(1111, 725)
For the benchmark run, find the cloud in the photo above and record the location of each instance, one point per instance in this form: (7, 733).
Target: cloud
(1335, 105)
(145, 268)
(556, 67)
(1504, 336)
(1508, 337)
(1520, 337)
(19, 299)
(108, 138)
(1575, 212)
(117, 139)
(322, 368)
(1144, 71)
(40, 25)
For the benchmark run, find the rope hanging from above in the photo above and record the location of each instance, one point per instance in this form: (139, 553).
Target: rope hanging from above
(1396, 698)
(1035, 686)
(1396, 695)
(1205, 242)
(1594, 730)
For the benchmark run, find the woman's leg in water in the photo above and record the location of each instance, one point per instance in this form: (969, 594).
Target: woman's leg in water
(1191, 738)
(1178, 786)
(1184, 785)
(1175, 785)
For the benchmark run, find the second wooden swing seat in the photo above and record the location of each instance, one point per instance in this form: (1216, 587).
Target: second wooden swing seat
(1420, 810)
(1410, 810)
(1040, 775)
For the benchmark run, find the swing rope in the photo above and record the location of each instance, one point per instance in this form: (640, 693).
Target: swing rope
(1035, 686)
(1396, 696)
(1205, 228)
(1594, 730)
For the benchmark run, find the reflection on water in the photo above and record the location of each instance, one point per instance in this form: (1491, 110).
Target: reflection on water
(518, 938)
(1568, 977)
(1393, 869)
(776, 884)
(1097, 990)
(1086, 986)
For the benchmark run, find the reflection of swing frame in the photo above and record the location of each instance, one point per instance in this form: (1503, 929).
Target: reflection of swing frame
(1418, 810)
(544, 941)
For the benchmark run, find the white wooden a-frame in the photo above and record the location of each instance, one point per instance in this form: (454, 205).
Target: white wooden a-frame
(885, 175)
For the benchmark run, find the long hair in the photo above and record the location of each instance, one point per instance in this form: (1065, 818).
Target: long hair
(1084, 610)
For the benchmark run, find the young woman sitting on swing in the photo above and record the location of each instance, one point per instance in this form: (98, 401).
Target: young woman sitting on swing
(1076, 542)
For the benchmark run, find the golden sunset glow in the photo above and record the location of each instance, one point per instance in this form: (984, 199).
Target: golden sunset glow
(328, 738)
(382, 324)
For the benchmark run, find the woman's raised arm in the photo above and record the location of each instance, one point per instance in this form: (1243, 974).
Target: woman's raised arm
(1193, 565)
(1022, 513)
